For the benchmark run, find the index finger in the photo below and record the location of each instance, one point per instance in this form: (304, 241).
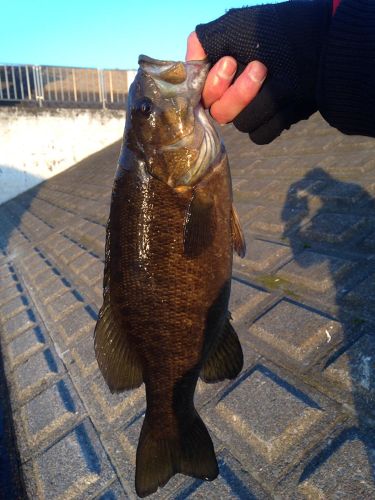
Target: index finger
(194, 51)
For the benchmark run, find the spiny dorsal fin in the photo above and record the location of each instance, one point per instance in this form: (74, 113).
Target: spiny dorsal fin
(225, 361)
(239, 243)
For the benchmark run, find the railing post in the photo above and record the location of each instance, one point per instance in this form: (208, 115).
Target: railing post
(6, 82)
(28, 82)
(39, 79)
(101, 87)
(74, 85)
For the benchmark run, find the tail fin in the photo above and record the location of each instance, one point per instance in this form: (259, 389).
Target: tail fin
(192, 453)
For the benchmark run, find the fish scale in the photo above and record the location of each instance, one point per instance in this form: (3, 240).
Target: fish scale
(170, 238)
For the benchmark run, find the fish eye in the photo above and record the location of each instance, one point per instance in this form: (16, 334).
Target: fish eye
(145, 107)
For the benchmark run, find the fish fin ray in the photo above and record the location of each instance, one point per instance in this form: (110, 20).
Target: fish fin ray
(225, 361)
(200, 224)
(192, 454)
(239, 243)
(117, 361)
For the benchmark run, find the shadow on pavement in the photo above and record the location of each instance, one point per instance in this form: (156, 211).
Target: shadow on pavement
(326, 203)
(11, 480)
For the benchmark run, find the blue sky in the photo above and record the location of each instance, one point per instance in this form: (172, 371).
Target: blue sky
(104, 34)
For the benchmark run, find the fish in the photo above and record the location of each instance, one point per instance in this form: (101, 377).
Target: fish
(169, 247)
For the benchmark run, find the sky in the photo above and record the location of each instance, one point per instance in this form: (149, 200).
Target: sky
(102, 34)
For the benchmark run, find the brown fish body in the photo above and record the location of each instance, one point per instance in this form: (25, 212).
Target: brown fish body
(164, 319)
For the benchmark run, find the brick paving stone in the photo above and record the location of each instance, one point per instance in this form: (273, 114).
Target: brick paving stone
(343, 195)
(59, 308)
(113, 492)
(109, 410)
(316, 272)
(17, 243)
(75, 323)
(83, 356)
(246, 303)
(35, 374)
(329, 477)
(94, 273)
(245, 298)
(367, 243)
(232, 483)
(52, 289)
(268, 221)
(18, 324)
(75, 467)
(333, 228)
(362, 297)
(34, 265)
(57, 244)
(71, 252)
(13, 307)
(350, 377)
(262, 256)
(47, 417)
(9, 292)
(25, 345)
(247, 211)
(269, 437)
(292, 334)
(90, 235)
(82, 262)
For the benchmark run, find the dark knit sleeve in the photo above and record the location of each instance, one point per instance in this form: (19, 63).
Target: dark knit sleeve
(346, 86)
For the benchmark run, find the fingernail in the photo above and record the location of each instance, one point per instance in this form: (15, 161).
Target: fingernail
(257, 72)
(227, 69)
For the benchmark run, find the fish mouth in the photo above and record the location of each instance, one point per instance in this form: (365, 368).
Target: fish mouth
(203, 138)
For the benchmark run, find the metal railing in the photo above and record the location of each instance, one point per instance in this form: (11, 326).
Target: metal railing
(64, 86)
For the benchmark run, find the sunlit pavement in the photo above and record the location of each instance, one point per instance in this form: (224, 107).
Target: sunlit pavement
(298, 421)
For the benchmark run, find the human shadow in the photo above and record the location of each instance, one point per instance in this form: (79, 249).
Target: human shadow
(335, 230)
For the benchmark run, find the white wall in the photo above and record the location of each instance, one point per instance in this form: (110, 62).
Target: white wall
(36, 144)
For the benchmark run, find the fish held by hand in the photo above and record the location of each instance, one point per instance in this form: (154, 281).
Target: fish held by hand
(168, 263)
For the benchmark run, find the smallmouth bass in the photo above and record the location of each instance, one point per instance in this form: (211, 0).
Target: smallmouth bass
(168, 265)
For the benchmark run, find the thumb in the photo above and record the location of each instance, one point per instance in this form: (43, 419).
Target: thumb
(194, 51)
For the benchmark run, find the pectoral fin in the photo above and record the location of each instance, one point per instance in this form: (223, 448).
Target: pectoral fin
(238, 237)
(117, 361)
(225, 361)
(200, 224)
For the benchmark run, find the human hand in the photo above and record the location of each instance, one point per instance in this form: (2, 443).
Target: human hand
(224, 98)
(288, 39)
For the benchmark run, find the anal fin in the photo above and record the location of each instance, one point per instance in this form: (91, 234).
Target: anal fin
(117, 361)
(225, 361)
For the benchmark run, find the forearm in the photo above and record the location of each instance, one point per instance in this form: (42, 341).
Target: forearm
(346, 83)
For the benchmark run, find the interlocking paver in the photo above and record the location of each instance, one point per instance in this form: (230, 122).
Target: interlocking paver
(269, 424)
(23, 346)
(47, 417)
(327, 476)
(296, 335)
(298, 421)
(75, 467)
(37, 372)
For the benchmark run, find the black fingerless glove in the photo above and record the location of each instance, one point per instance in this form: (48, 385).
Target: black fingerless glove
(287, 38)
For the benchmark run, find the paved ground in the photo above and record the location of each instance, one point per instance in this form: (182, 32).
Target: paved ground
(297, 423)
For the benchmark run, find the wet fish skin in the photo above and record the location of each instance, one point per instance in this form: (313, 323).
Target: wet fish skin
(170, 237)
